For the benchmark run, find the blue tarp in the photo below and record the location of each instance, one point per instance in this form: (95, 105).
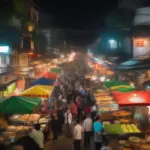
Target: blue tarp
(43, 81)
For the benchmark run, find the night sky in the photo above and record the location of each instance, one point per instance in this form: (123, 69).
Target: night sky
(86, 17)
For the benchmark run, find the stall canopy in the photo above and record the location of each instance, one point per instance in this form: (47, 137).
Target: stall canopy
(50, 75)
(129, 89)
(19, 105)
(56, 70)
(135, 98)
(109, 84)
(134, 64)
(43, 81)
(40, 91)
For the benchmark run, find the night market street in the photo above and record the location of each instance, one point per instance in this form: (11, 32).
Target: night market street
(74, 75)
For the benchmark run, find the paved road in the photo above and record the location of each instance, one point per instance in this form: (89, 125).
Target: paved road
(64, 143)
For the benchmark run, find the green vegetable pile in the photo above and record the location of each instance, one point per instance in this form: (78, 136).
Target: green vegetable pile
(113, 128)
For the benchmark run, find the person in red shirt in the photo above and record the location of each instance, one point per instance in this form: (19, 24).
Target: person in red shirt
(73, 109)
(87, 109)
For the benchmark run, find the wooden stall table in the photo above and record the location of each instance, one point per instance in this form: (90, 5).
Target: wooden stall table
(122, 114)
(145, 147)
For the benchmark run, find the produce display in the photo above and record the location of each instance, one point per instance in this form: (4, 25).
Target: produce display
(121, 113)
(120, 86)
(104, 98)
(105, 102)
(113, 128)
(30, 118)
(17, 128)
(130, 128)
(3, 123)
(121, 128)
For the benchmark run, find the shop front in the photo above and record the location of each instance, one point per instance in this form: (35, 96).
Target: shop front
(141, 47)
(12, 88)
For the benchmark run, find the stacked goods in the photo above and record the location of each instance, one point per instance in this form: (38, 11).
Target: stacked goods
(122, 113)
(3, 123)
(105, 102)
(29, 118)
(113, 128)
(118, 87)
(17, 128)
(121, 129)
(130, 128)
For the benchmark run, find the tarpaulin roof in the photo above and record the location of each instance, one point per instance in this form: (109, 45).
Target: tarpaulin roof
(19, 105)
(41, 91)
(134, 64)
(50, 75)
(110, 84)
(43, 81)
(130, 89)
(135, 98)
(56, 70)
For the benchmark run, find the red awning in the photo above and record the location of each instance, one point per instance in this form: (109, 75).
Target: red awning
(135, 98)
(51, 75)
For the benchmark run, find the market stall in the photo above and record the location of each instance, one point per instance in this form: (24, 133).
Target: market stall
(40, 91)
(105, 101)
(56, 70)
(51, 75)
(43, 81)
(16, 105)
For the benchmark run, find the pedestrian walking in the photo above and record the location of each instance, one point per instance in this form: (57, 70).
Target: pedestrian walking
(68, 123)
(77, 135)
(98, 128)
(55, 126)
(87, 126)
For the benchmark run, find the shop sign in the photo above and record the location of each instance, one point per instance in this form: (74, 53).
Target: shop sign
(140, 43)
(23, 60)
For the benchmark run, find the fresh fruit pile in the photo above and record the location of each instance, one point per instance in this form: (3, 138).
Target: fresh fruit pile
(130, 128)
(121, 128)
(113, 128)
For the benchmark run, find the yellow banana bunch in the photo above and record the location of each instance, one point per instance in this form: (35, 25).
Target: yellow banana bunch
(130, 128)
(124, 128)
(135, 128)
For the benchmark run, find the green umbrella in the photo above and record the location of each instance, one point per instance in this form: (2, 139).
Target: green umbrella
(126, 89)
(56, 70)
(19, 105)
(109, 84)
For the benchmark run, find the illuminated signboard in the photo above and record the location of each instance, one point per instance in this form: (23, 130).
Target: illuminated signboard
(4, 49)
(140, 43)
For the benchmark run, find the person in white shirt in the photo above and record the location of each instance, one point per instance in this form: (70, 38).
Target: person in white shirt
(68, 123)
(87, 126)
(77, 135)
(37, 136)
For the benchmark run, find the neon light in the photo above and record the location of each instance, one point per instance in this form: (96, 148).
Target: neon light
(4, 49)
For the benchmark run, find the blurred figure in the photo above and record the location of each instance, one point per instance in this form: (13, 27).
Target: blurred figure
(25, 143)
(87, 126)
(73, 108)
(68, 123)
(98, 128)
(55, 126)
(77, 135)
(60, 120)
(37, 136)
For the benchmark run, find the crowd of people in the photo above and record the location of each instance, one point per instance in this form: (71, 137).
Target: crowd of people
(75, 100)
(73, 115)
